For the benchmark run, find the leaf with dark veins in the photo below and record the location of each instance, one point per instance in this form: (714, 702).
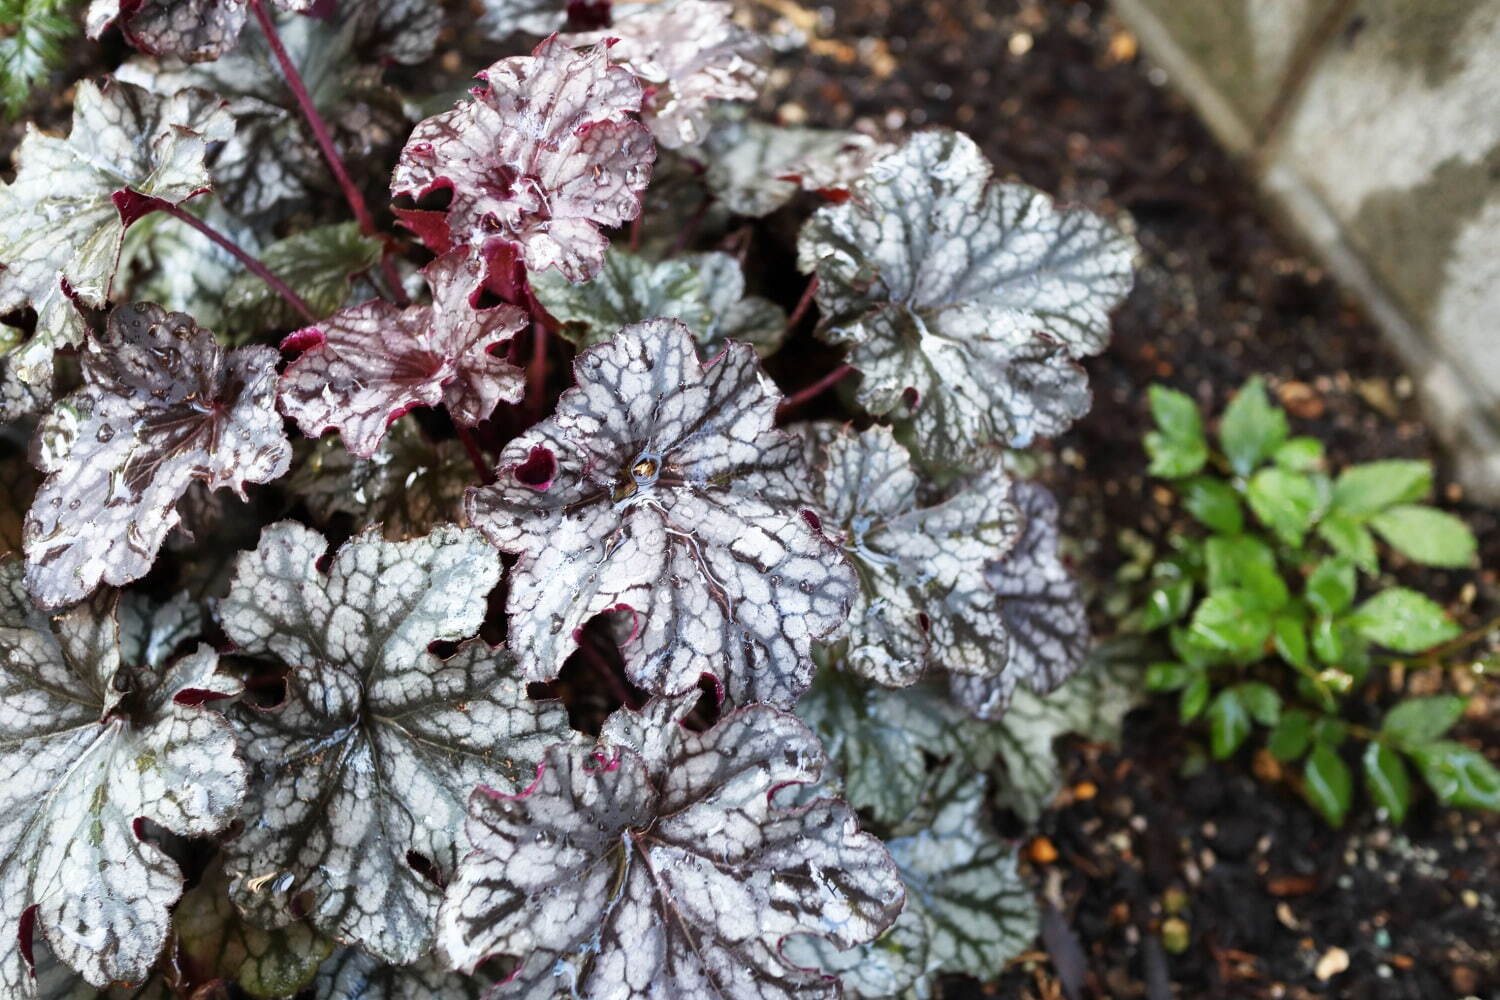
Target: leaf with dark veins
(271, 165)
(365, 366)
(661, 490)
(961, 883)
(965, 302)
(610, 876)
(923, 600)
(91, 744)
(1042, 609)
(500, 19)
(162, 406)
(350, 974)
(756, 167)
(61, 226)
(319, 264)
(193, 30)
(546, 153)
(689, 53)
(408, 487)
(367, 763)
(705, 291)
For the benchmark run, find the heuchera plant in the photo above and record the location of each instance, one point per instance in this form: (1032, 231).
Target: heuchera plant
(1280, 616)
(555, 656)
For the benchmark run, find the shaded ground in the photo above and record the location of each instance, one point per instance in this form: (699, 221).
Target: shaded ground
(1058, 97)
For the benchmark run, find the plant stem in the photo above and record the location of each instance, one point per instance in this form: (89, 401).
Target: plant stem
(252, 265)
(324, 138)
(803, 304)
(481, 465)
(803, 395)
(536, 369)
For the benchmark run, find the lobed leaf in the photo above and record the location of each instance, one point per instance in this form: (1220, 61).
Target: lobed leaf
(661, 491)
(756, 168)
(965, 303)
(63, 218)
(679, 880)
(350, 974)
(92, 743)
(923, 601)
(688, 53)
(705, 291)
(366, 365)
(162, 406)
(500, 19)
(366, 764)
(547, 152)
(1045, 622)
(318, 264)
(408, 487)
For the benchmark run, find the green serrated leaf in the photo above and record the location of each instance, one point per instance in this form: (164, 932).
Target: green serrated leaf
(1348, 537)
(1386, 780)
(1177, 448)
(1286, 502)
(35, 41)
(1299, 454)
(1168, 676)
(1418, 721)
(1244, 562)
(1167, 603)
(1233, 621)
(1291, 735)
(1459, 775)
(1290, 636)
(1426, 535)
(1214, 503)
(1403, 620)
(1330, 587)
(1362, 490)
(1327, 783)
(1261, 701)
(1190, 703)
(1252, 428)
(1228, 723)
(1328, 641)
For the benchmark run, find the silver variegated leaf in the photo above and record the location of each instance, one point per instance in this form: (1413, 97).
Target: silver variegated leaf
(162, 406)
(168, 262)
(271, 166)
(215, 942)
(350, 974)
(609, 876)
(61, 226)
(366, 365)
(962, 883)
(965, 303)
(500, 19)
(736, 316)
(367, 762)
(756, 167)
(55, 981)
(661, 491)
(318, 264)
(408, 487)
(192, 30)
(923, 598)
(1091, 704)
(1045, 619)
(689, 53)
(705, 291)
(890, 967)
(91, 744)
(546, 153)
(20, 400)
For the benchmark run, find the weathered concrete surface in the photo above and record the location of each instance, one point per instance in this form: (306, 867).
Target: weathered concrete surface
(1375, 127)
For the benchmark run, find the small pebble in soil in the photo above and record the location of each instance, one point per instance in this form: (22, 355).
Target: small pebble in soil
(1334, 961)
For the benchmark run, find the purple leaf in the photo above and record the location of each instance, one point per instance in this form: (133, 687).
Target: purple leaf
(635, 877)
(1043, 611)
(367, 365)
(689, 53)
(546, 153)
(669, 498)
(162, 406)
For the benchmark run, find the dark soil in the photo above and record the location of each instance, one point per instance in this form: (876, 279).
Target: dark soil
(1058, 97)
